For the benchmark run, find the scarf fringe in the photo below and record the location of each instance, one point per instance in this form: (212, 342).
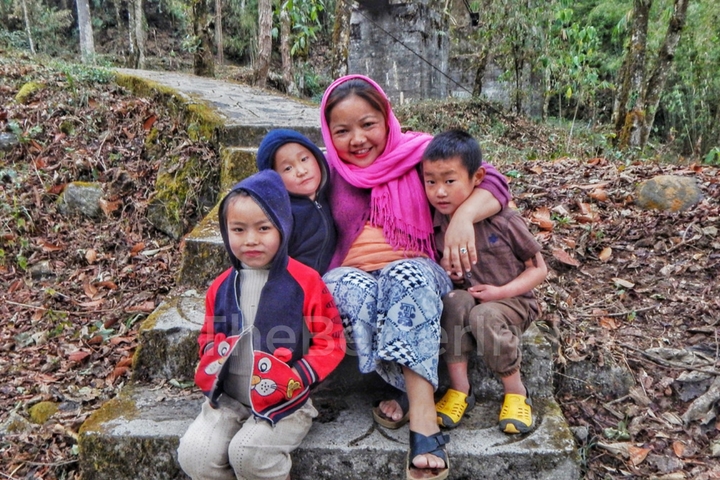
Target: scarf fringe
(400, 234)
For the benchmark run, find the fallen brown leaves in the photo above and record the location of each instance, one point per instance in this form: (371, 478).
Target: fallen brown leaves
(634, 288)
(627, 286)
(74, 290)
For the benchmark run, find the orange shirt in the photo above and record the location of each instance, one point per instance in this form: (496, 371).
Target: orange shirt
(370, 251)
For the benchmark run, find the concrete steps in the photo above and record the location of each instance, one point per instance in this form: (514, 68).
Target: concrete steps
(344, 442)
(135, 436)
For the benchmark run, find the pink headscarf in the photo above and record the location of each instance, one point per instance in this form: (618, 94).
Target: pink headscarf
(397, 200)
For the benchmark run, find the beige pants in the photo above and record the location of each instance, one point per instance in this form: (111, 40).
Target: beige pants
(228, 443)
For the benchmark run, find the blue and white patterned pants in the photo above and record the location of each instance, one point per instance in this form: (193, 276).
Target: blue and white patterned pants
(393, 316)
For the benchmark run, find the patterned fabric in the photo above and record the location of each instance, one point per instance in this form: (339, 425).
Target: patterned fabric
(393, 316)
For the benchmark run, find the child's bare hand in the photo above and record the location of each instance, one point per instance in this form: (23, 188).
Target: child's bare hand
(486, 293)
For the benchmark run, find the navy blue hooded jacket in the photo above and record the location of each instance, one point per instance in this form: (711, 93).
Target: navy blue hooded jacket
(313, 238)
(296, 320)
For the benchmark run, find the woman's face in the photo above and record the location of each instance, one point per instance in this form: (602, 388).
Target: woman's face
(358, 131)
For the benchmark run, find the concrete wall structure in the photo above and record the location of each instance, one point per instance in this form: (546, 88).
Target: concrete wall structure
(416, 50)
(403, 46)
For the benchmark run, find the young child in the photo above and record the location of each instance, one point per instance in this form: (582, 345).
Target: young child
(494, 302)
(305, 173)
(271, 333)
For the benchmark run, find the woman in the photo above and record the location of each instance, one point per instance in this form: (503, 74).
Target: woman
(387, 286)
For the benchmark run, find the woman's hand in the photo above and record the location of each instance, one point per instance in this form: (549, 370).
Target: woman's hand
(459, 254)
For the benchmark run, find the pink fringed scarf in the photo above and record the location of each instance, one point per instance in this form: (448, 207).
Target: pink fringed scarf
(398, 201)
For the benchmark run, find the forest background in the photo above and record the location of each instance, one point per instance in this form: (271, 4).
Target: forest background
(624, 281)
(642, 71)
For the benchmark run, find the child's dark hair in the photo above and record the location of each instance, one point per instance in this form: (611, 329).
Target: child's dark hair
(362, 89)
(455, 143)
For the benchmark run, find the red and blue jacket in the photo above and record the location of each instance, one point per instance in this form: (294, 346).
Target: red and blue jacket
(297, 324)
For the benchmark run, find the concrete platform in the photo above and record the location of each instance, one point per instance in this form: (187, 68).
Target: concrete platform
(136, 435)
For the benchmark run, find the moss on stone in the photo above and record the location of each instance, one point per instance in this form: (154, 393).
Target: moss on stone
(142, 87)
(203, 122)
(120, 406)
(41, 412)
(26, 92)
(235, 165)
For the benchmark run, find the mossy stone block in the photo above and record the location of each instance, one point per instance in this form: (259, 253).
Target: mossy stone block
(236, 164)
(251, 135)
(168, 347)
(136, 435)
(204, 256)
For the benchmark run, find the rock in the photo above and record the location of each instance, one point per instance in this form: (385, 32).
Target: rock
(581, 433)
(41, 412)
(41, 270)
(81, 197)
(7, 141)
(668, 192)
(14, 425)
(26, 92)
(585, 377)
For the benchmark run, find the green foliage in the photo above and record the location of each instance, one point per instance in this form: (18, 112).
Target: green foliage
(79, 74)
(713, 156)
(689, 106)
(305, 20)
(240, 30)
(310, 83)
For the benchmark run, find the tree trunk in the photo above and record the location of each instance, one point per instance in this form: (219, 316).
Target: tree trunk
(287, 65)
(87, 45)
(117, 5)
(27, 27)
(131, 36)
(139, 33)
(480, 67)
(203, 62)
(219, 32)
(632, 75)
(341, 38)
(264, 42)
(518, 65)
(659, 75)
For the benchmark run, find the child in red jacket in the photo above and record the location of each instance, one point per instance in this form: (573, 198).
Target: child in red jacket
(271, 333)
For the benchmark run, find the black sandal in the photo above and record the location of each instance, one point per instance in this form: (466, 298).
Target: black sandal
(433, 445)
(387, 422)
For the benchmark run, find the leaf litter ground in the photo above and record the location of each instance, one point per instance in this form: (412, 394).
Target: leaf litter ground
(632, 288)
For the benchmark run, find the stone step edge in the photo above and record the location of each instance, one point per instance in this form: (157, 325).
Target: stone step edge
(144, 424)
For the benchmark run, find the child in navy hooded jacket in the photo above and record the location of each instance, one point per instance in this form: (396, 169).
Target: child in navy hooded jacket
(305, 173)
(271, 333)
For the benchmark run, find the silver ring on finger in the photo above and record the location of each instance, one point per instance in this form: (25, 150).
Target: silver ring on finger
(463, 250)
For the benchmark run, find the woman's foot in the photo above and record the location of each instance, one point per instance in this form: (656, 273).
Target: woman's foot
(427, 459)
(426, 425)
(393, 413)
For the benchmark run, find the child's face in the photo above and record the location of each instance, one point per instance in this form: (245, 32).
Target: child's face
(253, 238)
(358, 131)
(448, 184)
(299, 169)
